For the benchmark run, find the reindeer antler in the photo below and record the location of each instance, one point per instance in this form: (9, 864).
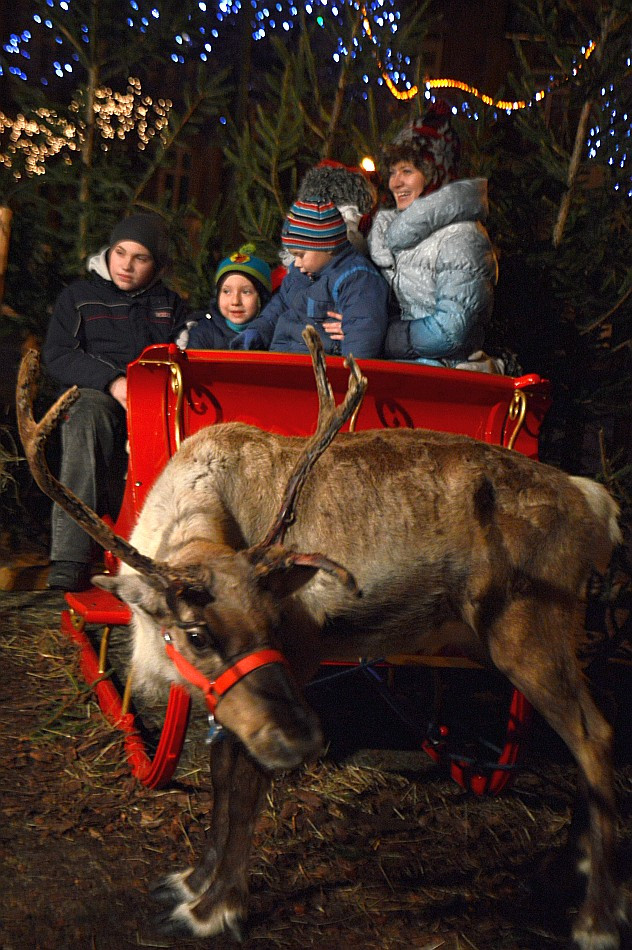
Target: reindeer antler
(34, 436)
(326, 402)
(330, 421)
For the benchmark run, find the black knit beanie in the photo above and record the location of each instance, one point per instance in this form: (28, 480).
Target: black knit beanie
(146, 229)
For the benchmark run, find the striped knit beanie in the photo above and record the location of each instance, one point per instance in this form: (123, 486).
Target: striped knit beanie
(314, 225)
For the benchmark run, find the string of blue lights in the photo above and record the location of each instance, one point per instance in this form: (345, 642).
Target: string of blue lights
(609, 139)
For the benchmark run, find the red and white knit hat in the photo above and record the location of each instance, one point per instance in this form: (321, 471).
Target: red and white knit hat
(434, 142)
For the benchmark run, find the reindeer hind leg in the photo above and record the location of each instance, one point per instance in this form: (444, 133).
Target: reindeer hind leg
(533, 643)
(604, 906)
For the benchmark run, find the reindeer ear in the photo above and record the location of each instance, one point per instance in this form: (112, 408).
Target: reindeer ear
(280, 572)
(132, 588)
(284, 572)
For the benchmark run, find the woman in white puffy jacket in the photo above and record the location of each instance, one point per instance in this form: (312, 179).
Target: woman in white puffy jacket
(434, 251)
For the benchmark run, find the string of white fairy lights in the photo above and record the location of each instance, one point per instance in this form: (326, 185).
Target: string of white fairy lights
(30, 142)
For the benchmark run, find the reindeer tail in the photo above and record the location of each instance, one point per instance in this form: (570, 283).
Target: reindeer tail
(606, 511)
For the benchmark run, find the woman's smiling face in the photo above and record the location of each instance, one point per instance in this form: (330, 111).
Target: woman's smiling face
(406, 182)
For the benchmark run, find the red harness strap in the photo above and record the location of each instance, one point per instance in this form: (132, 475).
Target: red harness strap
(214, 689)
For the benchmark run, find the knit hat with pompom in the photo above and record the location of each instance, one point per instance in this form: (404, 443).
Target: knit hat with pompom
(433, 145)
(244, 262)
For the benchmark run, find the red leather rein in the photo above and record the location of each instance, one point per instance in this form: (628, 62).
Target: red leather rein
(214, 689)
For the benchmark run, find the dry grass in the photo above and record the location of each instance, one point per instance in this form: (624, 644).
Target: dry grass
(373, 851)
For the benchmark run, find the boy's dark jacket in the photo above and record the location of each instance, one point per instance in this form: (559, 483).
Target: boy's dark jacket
(97, 329)
(211, 332)
(349, 284)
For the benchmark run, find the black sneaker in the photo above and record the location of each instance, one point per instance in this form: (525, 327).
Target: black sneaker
(69, 575)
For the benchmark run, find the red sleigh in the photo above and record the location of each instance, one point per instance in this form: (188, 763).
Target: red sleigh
(173, 394)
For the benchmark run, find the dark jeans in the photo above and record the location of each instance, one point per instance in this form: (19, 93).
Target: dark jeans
(93, 465)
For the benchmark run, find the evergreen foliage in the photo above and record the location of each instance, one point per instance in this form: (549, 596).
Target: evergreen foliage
(560, 219)
(65, 211)
(563, 227)
(306, 110)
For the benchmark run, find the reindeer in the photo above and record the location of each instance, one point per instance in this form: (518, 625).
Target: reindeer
(443, 539)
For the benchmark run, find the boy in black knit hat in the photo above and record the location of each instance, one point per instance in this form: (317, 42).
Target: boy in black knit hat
(101, 323)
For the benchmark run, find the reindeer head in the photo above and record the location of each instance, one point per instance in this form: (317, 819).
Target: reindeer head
(220, 632)
(216, 608)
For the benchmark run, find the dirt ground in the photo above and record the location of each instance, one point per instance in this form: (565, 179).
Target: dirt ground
(371, 847)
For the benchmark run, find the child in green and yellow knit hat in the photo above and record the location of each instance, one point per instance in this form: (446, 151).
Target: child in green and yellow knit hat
(243, 286)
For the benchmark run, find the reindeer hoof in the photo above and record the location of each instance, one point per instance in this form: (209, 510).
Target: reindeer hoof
(236, 927)
(593, 939)
(181, 922)
(165, 893)
(172, 890)
(603, 930)
(170, 926)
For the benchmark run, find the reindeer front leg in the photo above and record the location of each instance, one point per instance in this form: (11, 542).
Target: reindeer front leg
(213, 896)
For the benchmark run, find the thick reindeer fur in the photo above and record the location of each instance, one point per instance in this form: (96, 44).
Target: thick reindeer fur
(606, 511)
(437, 529)
(450, 540)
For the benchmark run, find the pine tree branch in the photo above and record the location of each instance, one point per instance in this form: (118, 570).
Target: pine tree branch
(573, 169)
(78, 47)
(318, 132)
(309, 65)
(336, 110)
(87, 147)
(274, 167)
(87, 160)
(177, 131)
(611, 24)
(606, 316)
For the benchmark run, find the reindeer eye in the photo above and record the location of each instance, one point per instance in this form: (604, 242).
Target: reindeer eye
(199, 636)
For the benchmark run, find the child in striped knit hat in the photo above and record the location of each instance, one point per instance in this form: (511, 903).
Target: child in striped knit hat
(328, 277)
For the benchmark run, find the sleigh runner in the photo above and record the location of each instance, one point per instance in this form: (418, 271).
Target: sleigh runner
(171, 395)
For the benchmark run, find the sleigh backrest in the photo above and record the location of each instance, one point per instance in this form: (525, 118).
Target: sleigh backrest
(172, 394)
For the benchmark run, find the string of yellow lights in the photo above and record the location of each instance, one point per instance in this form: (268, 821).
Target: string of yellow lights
(119, 114)
(504, 104)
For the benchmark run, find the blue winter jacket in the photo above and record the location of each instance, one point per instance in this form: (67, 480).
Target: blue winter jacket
(348, 284)
(438, 258)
